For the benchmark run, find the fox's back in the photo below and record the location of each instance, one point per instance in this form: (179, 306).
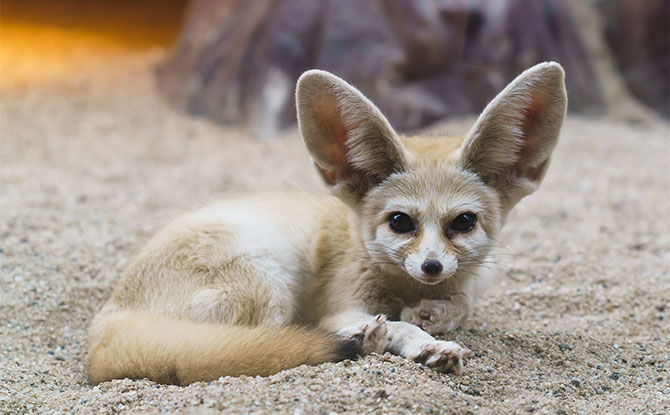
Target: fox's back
(278, 229)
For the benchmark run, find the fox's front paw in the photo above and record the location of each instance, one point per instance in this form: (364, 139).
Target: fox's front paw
(372, 336)
(436, 316)
(443, 356)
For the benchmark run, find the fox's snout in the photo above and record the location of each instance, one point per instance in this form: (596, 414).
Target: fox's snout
(431, 267)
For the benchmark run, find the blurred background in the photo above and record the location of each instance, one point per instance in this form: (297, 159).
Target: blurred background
(236, 61)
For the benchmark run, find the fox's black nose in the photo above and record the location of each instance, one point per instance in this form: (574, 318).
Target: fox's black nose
(431, 267)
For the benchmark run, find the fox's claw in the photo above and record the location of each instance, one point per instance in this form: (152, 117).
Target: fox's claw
(443, 356)
(372, 336)
(375, 335)
(435, 316)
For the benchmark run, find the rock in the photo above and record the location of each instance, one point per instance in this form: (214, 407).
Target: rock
(638, 35)
(419, 61)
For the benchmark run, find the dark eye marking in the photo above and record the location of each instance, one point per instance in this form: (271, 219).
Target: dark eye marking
(463, 222)
(401, 223)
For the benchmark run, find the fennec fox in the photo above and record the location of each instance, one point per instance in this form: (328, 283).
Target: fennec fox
(399, 253)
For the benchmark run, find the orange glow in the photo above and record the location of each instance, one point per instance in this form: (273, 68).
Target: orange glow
(41, 44)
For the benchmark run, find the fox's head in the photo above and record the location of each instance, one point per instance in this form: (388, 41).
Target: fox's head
(431, 207)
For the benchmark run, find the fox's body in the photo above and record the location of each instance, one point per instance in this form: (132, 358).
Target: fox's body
(265, 282)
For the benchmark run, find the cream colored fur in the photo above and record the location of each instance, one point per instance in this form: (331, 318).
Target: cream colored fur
(271, 281)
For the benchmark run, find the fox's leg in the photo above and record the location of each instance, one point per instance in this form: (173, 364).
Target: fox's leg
(403, 339)
(409, 341)
(438, 316)
(444, 315)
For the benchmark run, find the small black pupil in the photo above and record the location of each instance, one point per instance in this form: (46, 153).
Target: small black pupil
(401, 222)
(401, 219)
(463, 221)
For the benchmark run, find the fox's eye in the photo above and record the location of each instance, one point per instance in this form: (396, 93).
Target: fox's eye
(463, 222)
(401, 222)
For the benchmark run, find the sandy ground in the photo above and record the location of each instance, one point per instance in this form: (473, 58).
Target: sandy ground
(91, 166)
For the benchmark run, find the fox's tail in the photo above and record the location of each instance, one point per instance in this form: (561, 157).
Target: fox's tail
(137, 344)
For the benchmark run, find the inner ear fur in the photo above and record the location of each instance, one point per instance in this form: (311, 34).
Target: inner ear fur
(352, 144)
(510, 146)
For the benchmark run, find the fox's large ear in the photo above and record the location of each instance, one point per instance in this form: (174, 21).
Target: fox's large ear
(510, 145)
(352, 144)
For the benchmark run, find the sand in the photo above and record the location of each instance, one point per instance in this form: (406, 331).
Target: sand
(92, 165)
